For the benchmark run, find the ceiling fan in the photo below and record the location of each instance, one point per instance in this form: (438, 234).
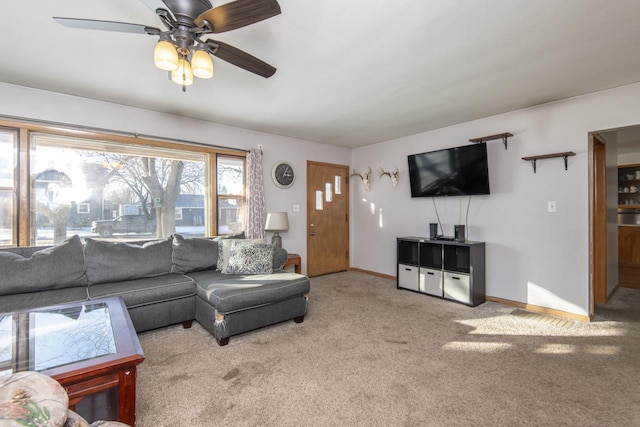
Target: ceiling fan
(181, 48)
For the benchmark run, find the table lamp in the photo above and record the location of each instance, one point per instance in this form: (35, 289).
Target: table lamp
(276, 222)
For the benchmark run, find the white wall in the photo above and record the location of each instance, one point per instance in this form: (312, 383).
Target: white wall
(29, 103)
(628, 159)
(532, 256)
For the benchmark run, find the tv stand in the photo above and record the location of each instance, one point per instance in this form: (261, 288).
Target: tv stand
(442, 268)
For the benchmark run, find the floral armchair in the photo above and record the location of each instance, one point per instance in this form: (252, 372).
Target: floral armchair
(34, 399)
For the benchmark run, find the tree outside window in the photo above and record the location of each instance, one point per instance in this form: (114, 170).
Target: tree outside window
(127, 192)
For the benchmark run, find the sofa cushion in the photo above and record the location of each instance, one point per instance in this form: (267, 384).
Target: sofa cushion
(228, 293)
(57, 267)
(29, 300)
(249, 257)
(114, 261)
(33, 399)
(149, 290)
(193, 254)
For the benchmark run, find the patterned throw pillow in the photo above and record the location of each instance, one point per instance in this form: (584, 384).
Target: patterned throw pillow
(224, 249)
(220, 240)
(246, 257)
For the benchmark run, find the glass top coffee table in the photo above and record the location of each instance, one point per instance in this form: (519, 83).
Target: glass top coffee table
(89, 347)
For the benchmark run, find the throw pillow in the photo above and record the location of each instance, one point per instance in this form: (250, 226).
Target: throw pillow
(227, 244)
(248, 257)
(57, 267)
(193, 254)
(116, 261)
(220, 240)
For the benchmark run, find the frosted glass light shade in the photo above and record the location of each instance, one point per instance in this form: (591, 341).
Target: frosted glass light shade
(201, 64)
(165, 56)
(183, 75)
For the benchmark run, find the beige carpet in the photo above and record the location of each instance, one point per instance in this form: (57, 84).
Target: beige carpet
(368, 354)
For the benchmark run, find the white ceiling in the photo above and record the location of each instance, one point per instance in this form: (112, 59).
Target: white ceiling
(350, 72)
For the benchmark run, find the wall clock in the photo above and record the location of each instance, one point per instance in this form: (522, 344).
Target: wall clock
(283, 174)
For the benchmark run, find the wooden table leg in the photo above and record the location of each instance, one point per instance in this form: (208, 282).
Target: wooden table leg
(127, 397)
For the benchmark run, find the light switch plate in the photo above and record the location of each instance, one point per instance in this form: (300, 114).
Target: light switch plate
(296, 208)
(551, 206)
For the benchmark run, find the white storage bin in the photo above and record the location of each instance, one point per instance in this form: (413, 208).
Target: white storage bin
(408, 277)
(456, 287)
(431, 281)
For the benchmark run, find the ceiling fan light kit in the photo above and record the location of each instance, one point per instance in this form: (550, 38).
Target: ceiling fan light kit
(165, 55)
(201, 64)
(181, 49)
(183, 75)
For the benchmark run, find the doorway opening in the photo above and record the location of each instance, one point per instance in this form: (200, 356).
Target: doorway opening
(614, 246)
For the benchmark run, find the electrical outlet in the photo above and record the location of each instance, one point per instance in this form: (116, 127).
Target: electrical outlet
(551, 206)
(296, 208)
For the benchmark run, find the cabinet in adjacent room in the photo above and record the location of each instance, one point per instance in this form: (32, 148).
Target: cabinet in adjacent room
(629, 186)
(629, 256)
(442, 268)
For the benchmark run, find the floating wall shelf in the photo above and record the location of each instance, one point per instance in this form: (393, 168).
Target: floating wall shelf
(502, 136)
(564, 155)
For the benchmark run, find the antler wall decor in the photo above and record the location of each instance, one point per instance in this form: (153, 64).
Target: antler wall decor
(394, 176)
(366, 178)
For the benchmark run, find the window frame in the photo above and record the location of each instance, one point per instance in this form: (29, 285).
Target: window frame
(242, 197)
(15, 188)
(23, 232)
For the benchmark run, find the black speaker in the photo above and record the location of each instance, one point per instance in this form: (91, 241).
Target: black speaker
(433, 230)
(459, 233)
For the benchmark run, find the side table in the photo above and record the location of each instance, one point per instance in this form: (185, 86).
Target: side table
(294, 259)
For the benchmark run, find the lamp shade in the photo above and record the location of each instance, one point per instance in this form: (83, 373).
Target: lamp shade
(183, 75)
(201, 64)
(165, 56)
(277, 221)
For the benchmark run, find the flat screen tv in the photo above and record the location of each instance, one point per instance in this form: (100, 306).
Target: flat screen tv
(457, 171)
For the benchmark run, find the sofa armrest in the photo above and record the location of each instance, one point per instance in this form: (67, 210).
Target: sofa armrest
(279, 258)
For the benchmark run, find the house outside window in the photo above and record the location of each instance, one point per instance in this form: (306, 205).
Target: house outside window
(83, 208)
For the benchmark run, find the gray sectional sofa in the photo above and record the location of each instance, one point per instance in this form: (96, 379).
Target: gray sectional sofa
(229, 285)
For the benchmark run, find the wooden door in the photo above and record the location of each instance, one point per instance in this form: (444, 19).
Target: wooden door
(327, 218)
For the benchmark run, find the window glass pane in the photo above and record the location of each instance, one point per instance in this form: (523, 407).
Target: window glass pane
(6, 218)
(231, 184)
(119, 192)
(8, 141)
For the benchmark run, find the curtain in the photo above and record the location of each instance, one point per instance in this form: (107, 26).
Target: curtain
(256, 208)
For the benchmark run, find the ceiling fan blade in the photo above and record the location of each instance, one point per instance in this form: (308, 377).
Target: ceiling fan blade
(240, 58)
(93, 24)
(239, 14)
